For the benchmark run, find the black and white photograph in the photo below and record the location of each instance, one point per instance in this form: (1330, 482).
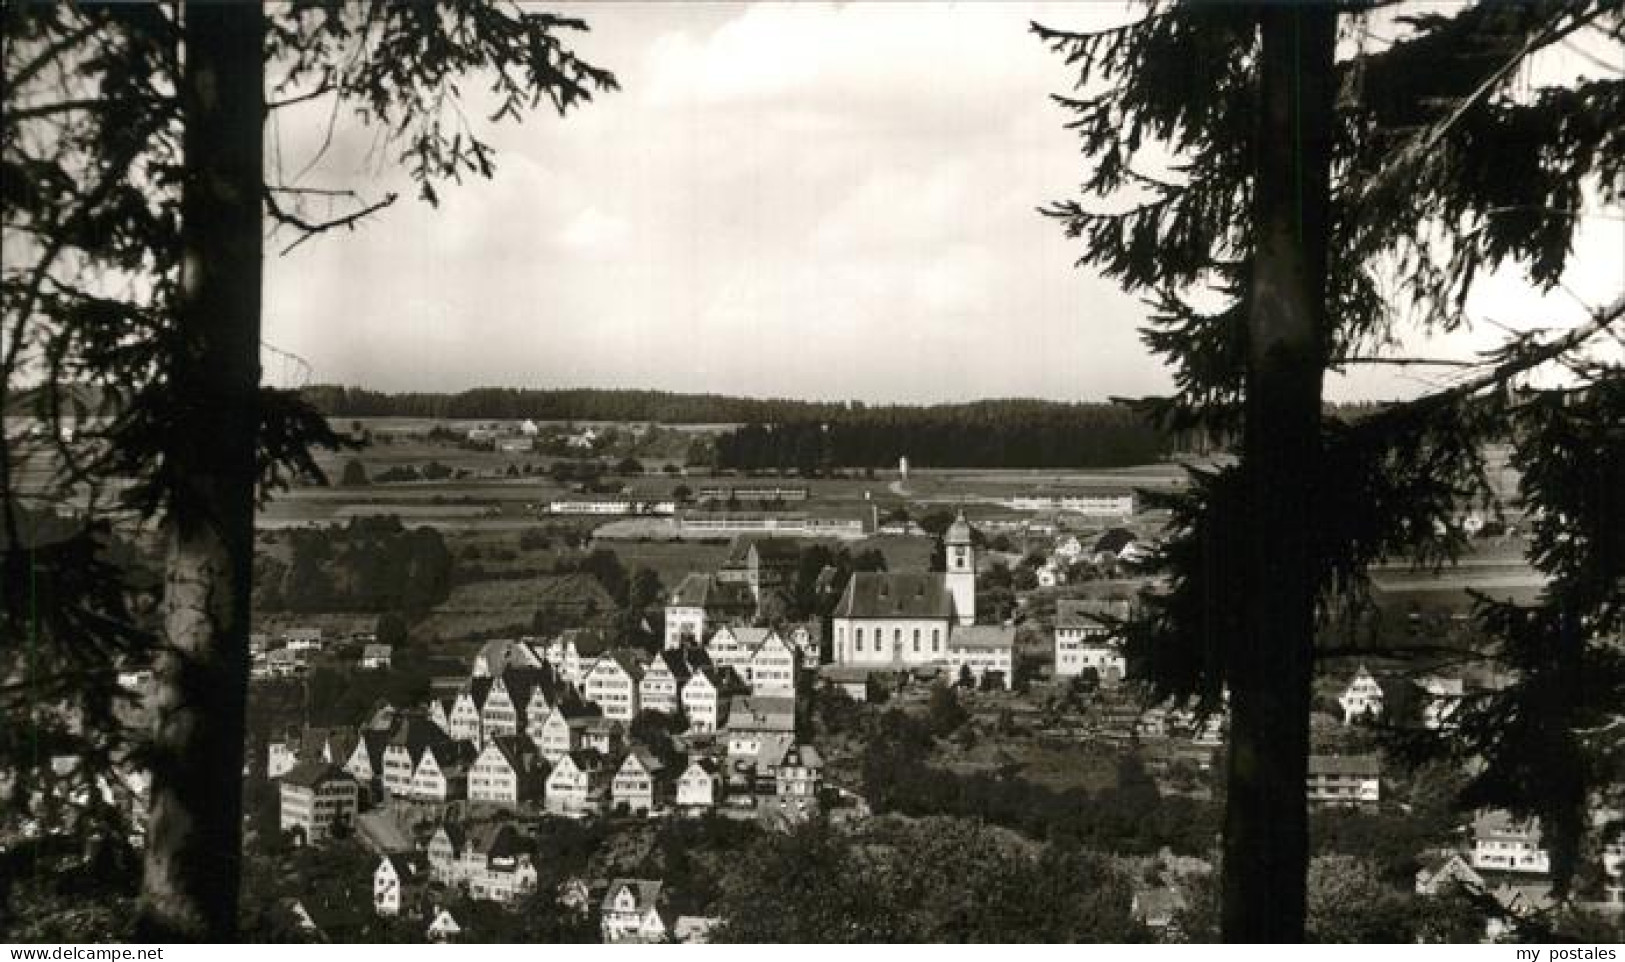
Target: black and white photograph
(1136, 472)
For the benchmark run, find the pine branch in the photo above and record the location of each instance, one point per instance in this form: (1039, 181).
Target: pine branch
(1506, 370)
(1401, 361)
(309, 229)
(1423, 143)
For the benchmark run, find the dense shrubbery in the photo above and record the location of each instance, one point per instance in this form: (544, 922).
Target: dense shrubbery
(372, 564)
(1129, 818)
(941, 880)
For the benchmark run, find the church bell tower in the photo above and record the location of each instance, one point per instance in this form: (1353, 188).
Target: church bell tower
(961, 565)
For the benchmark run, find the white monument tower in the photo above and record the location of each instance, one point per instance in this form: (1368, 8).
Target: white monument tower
(961, 574)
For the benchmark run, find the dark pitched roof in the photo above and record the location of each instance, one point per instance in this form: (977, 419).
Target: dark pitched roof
(880, 594)
(646, 891)
(776, 552)
(416, 733)
(1114, 540)
(478, 689)
(587, 759)
(375, 741)
(983, 636)
(410, 867)
(627, 661)
(1086, 612)
(517, 750)
(706, 591)
(522, 684)
(312, 773)
(1363, 765)
(675, 661)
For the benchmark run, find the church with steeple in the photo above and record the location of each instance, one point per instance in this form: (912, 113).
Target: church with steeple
(915, 619)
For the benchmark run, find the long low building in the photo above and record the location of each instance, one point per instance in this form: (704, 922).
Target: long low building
(611, 506)
(1114, 504)
(789, 525)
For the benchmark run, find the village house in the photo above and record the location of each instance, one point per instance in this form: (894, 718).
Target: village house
(642, 783)
(804, 639)
(412, 736)
(317, 799)
(442, 772)
(284, 663)
(509, 770)
(376, 657)
(1363, 698)
(986, 652)
(703, 701)
(612, 684)
(731, 647)
(662, 684)
(1111, 545)
(903, 619)
(564, 729)
(799, 773)
(1157, 908)
(398, 882)
(693, 929)
(772, 668)
(578, 783)
(498, 862)
(700, 789)
(603, 735)
(445, 853)
(1441, 871)
(438, 710)
(282, 754)
(701, 603)
(443, 927)
(1503, 844)
(366, 763)
(563, 655)
(631, 913)
(1345, 780)
(466, 712)
(764, 565)
(302, 639)
(508, 702)
(1051, 574)
(497, 656)
(1083, 640)
(1441, 697)
(750, 719)
(1069, 550)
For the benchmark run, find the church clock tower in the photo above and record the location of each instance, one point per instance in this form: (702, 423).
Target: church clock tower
(961, 565)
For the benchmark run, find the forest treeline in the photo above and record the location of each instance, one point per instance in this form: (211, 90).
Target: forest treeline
(565, 404)
(983, 434)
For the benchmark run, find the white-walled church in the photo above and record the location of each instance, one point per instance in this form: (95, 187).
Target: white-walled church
(904, 620)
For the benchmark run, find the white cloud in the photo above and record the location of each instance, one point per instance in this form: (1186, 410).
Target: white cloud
(593, 230)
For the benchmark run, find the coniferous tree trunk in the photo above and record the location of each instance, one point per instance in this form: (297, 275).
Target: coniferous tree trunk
(1266, 822)
(193, 846)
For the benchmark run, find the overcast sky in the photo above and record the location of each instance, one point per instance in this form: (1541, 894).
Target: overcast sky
(818, 201)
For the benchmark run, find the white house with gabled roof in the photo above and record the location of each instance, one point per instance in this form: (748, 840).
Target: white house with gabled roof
(612, 684)
(1363, 698)
(631, 912)
(700, 788)
(704, 704)
(772, 668)
(578, 783)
